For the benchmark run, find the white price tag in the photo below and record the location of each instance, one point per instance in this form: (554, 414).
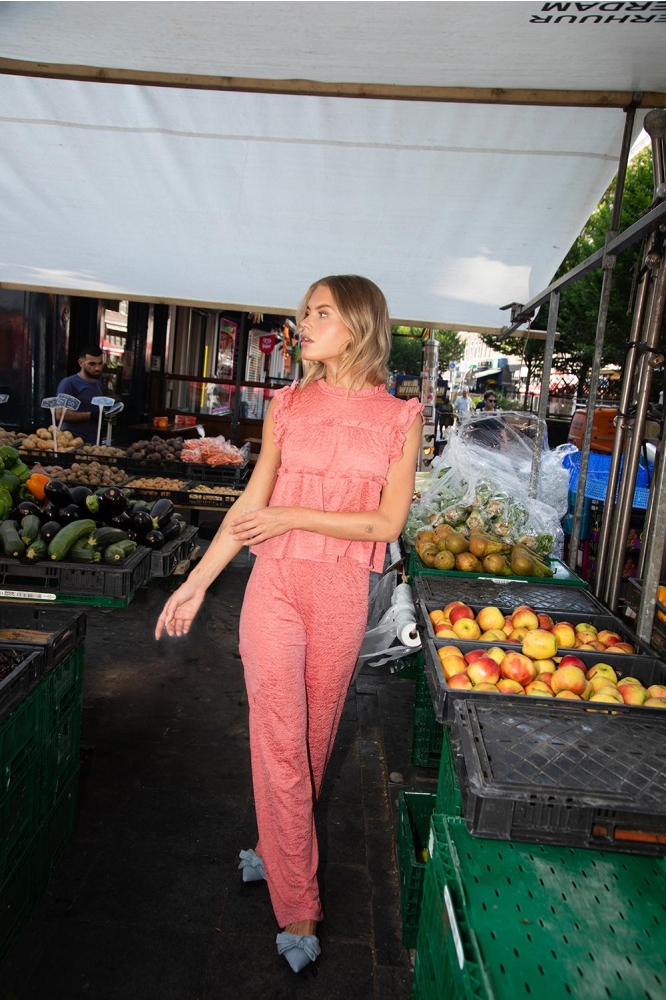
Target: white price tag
(3, 397)
(454, 927)
(431, 842)
(27, 595)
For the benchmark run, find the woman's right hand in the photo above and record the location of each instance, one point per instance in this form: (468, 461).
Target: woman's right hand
(180, 610)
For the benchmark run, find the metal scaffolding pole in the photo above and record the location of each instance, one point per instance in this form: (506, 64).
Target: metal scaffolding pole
(535, 470)
(608, 267)
(429, 375)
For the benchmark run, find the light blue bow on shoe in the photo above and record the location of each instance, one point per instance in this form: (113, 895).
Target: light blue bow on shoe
(298, 949)
(252, 866)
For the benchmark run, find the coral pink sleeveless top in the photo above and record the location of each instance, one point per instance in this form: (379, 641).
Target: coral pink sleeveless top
(337, 446)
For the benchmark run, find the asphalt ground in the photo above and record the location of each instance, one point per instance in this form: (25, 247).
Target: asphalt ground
(148, 902)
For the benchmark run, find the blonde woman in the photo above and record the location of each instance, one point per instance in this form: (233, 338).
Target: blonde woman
(331, 487)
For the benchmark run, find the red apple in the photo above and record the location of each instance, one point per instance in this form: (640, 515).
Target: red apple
(484, 670)
(573, 661)
(474, 654)
(461, 611)
(569, 678)
(545, 622)
(460, 682)
(517, 667)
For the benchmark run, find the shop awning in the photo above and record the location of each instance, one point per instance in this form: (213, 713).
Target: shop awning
(243, 196)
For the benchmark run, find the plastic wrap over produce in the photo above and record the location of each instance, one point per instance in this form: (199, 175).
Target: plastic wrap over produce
(481, 481)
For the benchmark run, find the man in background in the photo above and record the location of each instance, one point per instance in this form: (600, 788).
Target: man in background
(463, 405)
(84, 385)
(489, 402)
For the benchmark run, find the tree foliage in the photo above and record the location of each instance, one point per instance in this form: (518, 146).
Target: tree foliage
(579, 303)
(407, 349)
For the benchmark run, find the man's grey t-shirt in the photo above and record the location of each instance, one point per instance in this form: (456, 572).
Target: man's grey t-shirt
(81, 388)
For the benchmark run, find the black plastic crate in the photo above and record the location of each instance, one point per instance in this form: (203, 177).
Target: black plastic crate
(233, 475)
(216, 501)
(52, 630)
(24, 677)
(177, 496)
(481, 592)
(115, 461)
(648, 669)
(594, 780)
(138, 467)
(48, 580)
(164, 561)
(605, 622)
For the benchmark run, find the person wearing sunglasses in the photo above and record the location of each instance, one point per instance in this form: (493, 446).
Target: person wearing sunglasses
(489, 402)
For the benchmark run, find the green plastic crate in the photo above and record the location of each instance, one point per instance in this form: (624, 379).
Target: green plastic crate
(19, 809)
(414, 812)
(562, 575)
(427, 732)
(538, 921)
(19, 892)
(60, 752)
(449, 801)
(57, 830)
(408, 666)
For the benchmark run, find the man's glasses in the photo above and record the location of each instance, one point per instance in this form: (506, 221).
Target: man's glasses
(491, 399)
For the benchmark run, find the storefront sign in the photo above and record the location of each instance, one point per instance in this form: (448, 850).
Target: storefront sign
(267, 343)
(407, 387)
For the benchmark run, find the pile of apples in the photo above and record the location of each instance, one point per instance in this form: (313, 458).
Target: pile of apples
(458, 621)
(505, 672)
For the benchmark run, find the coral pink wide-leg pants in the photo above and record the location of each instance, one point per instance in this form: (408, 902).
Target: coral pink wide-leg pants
(301, 630)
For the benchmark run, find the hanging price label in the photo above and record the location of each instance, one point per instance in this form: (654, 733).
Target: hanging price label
(267, 343)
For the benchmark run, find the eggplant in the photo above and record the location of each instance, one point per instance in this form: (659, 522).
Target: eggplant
(69, 514)
(57, 493)
(114, 501)
(50, 530)
(170, 530)
(122, 520)
(161, 512)
(134, 536)
(142, 521)
(79, 495)
(27, 507)
(154, 540)
(49, 513)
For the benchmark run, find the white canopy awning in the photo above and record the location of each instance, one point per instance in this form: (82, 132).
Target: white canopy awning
(243, 198)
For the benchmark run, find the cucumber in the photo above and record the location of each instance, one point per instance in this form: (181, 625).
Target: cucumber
(30, 527)
(12, 545)
(103, 537)
(71, 533)
(37, 550)
(81, 552)
(119, 552)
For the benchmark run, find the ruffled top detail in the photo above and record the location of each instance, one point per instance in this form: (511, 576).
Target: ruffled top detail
(337, 445)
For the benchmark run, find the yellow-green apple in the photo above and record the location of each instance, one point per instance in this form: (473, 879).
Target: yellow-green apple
(587, 646)
(585, 636)
(524, 618)
(518, 667)
(493, 635)
(566, 695)
(588, 692)
(539, 644)
(602, 670)
(484, 670)
(538, 688)
(632, 694)
(449, 607)
(437, 616)
(565, 635)
(490, 618)
(657, 690)
(610, 638)
(523, 607)
(466, 629)
(517, 635)
(655, 703)
(600, 681)
(461, 611)
(585, 627)
(460, 682)
(568, 679)
(448, 651)
(629, 680)
(497, 653)
(609, 695)
(507, 686)
(453, 665)
(486, 686)
(445, 632)
(621, 647)
(545, 622)
(545, 666)
(474, 654)
(570, 660)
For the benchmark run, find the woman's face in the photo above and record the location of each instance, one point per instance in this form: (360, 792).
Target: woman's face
(324, 336)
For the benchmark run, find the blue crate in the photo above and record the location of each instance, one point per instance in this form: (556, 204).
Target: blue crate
(596, 484)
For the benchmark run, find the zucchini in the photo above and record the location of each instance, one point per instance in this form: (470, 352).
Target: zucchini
(119, 552)
(37, 550)
(67, 536)
(12, 545)
(103, 537)
(81, 552)
(30, 526)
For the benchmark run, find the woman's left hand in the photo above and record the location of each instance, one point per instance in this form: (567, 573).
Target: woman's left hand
(258, 525)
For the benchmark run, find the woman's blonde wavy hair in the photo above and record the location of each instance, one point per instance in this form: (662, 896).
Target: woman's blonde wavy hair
(364, 312)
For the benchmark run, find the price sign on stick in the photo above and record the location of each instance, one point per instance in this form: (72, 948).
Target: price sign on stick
(200, 429)
(104, 402)
(67, 403)
(3, 397)
(50, 403)
(116, 408)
